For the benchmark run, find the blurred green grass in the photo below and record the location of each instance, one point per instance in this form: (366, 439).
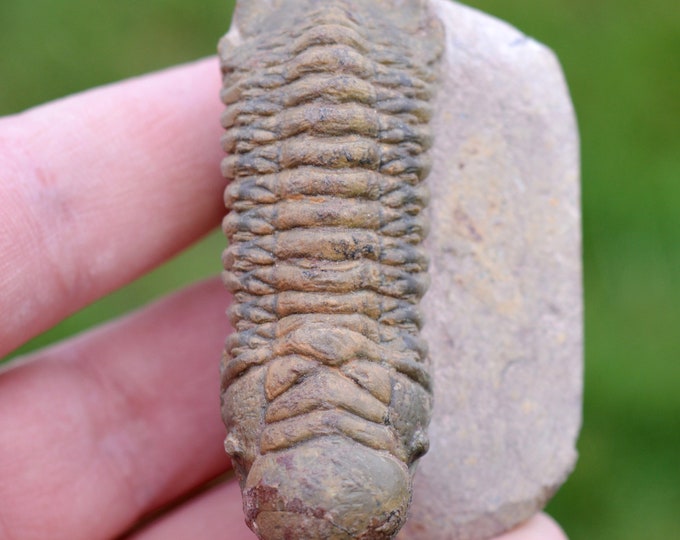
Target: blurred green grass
(622, 61)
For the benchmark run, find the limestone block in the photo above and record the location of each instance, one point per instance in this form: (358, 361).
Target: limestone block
(503, 315)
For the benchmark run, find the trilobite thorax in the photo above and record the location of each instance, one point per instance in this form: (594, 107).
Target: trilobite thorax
(325, 391)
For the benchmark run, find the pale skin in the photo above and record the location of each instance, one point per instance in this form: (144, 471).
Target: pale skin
(123, 421)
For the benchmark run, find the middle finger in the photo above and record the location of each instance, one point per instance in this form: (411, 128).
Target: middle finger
(114, 424)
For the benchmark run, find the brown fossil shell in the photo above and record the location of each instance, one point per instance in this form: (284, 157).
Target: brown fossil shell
(325, 390)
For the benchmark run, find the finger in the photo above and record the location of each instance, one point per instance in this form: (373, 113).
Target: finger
(218, 514)
(100, 187)
(107, 427)
(540, 527)
(215, 515)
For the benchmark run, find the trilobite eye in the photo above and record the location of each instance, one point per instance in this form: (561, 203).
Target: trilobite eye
(325, 388)
(419, 446)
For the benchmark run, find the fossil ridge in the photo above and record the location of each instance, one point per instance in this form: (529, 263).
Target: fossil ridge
(325, 390)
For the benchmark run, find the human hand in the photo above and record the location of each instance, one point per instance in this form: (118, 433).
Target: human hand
(112, 434)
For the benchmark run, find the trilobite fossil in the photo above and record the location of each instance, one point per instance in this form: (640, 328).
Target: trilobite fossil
(325, 392)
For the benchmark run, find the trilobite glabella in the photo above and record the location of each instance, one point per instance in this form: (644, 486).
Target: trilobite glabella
(325, 392)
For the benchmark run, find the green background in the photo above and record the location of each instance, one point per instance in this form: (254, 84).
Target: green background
(622, 61)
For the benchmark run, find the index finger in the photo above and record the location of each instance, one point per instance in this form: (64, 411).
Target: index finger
(100, 187)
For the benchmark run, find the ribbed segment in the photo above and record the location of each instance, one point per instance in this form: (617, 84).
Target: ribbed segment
(326, 136)
(325, 390)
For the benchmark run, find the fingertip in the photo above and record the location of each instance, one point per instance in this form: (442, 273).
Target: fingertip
(539, 527)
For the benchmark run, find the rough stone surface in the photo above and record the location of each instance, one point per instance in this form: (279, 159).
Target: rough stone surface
(503, 315)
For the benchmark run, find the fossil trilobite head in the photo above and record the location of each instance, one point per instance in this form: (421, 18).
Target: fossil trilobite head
(325, 390)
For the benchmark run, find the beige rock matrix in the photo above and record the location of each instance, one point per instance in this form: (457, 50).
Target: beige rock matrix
(325, 390)
(503, 314)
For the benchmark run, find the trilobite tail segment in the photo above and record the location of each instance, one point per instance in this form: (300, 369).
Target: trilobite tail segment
(325, 392)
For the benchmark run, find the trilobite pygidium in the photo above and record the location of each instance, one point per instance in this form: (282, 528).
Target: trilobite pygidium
(325, 392)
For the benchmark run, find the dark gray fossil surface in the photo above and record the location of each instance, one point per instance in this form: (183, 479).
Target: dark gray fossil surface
(335, 112)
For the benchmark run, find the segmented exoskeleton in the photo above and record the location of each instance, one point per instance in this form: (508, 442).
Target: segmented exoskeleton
(325, 392)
